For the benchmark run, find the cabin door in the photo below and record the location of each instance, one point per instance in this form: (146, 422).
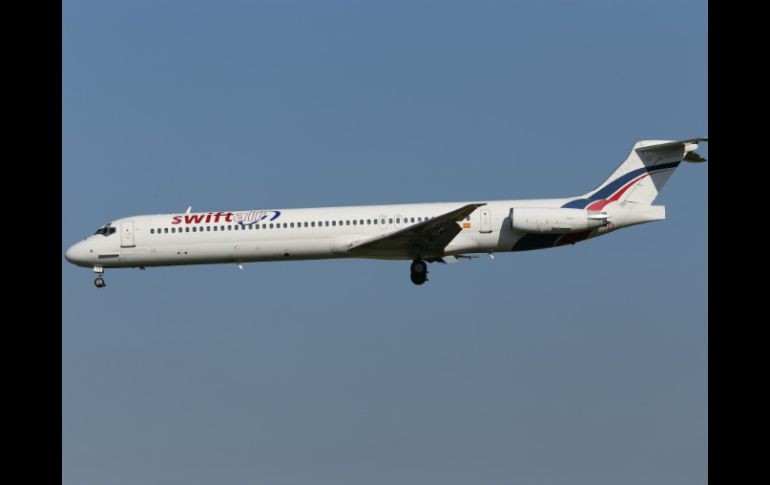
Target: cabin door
(486, 220)
(127, 234)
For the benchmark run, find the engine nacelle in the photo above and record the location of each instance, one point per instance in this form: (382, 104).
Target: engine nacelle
(555, 220)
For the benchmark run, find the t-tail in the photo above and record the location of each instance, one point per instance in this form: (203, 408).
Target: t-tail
(640, 178)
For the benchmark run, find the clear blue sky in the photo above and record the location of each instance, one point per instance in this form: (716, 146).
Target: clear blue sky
(579, 365)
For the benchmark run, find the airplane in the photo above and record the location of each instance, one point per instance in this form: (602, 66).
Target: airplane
(423, 233)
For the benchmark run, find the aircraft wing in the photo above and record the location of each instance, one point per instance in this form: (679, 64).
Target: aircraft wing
(424, 237)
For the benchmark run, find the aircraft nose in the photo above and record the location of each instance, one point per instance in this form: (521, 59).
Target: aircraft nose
(76, 254)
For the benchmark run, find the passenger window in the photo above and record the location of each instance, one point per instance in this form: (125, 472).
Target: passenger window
(390, 221)
(347, 223)
(152, 231)
(215, 228)
(195, 229)
(235, 227)
(271, 225)
(326, 223)
(291, 225)
(398, 220)
(221, 228)
(165, 229)
(208, 228)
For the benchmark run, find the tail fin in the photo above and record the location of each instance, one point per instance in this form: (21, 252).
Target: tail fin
(642, 175)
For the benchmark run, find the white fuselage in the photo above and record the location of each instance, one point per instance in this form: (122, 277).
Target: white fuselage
(293, 234)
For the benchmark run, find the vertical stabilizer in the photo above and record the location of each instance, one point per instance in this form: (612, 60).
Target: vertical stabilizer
(642, 175)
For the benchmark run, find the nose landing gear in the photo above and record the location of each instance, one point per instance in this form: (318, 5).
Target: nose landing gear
(99, 281)
(419, 272)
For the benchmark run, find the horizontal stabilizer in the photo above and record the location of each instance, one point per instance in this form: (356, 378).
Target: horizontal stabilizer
(693, 157)
(689, 147)
(673, 144)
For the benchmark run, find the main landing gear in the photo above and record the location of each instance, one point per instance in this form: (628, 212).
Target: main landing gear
(99, 281)
(419, 272)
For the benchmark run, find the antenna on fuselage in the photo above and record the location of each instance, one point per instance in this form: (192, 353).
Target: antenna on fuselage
(189, 208)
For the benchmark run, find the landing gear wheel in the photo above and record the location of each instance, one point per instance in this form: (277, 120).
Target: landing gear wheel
(419, 273)
(418, 278)
(99, 282)
(419, 266)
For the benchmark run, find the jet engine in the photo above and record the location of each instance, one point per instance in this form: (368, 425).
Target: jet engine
(555, 220)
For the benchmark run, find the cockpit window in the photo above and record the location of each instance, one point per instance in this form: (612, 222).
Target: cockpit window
(105, 230)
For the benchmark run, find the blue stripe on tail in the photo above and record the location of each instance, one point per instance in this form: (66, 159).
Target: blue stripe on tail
(616, 184)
